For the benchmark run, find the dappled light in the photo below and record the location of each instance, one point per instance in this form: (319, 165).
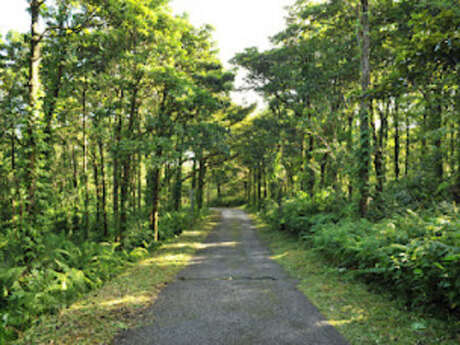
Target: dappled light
(334, 323)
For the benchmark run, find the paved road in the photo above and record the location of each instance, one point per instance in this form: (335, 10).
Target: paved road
(233, 294)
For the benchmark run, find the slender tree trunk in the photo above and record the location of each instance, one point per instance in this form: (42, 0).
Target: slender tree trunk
(139, 183)
(155, 176)
(85, 167)
(116, 171)
(75, 169)
(247, 188)
(265, 184)
(178, 185)
(104, 188)
(364, 157)
(254, 187)
(350, 149)
(456, 191)
(201, 183)
(378, 150)
(98, 188)
(397, 141)
(193, 189)
(406, 169)
(259, 186)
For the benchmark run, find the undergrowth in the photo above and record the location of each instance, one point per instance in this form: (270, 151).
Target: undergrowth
(58, 268)
(96, 317)
(413, 254)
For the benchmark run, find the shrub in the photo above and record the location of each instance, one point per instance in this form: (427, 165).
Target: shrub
(414, 255)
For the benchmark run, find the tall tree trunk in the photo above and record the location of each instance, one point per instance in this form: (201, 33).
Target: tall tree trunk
(364, 157)
(350, 149)
(116, 169)
(456, 191)
(126, 165)
(259, 186)
(97, 185)
(397, 141)
(193, 189)
(139, 182)
(178, 185)
(74, 168)
(378, 150)
(264, 183)
(85, 167)
(104, 188)
(201, 182)
(155, 175)
(406, 168)
(35, 105)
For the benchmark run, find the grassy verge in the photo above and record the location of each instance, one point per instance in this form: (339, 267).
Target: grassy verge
(362, 316)
(98, 317)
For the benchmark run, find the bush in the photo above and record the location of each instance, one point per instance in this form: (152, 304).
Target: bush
(417, 256)
(299, 214)
(414, 255)
(42, 272)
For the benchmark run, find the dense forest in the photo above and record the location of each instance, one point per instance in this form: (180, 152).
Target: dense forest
(118, 130)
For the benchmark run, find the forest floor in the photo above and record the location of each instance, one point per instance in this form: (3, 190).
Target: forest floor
(232, 293)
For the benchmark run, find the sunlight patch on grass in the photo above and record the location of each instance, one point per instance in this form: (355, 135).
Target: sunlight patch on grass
(120, 303)
(279, 256)
(332, 323)
(126, 300)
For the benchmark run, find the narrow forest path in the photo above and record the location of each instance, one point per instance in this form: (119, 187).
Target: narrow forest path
(232, 293)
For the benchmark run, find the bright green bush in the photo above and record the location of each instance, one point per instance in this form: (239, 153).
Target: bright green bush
(417, 256)
(414, 255)
(299, 214)
(42, 274)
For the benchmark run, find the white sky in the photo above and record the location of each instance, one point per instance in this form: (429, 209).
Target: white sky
(239, 23)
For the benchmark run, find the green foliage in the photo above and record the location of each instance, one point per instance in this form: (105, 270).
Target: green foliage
(416, 256)
(299, 214)
(63, 269)
(228, 201)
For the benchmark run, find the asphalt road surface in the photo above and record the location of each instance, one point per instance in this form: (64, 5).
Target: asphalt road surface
(232, 294)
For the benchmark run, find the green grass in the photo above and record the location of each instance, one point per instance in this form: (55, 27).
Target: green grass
(120, 303)
(364, 317)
